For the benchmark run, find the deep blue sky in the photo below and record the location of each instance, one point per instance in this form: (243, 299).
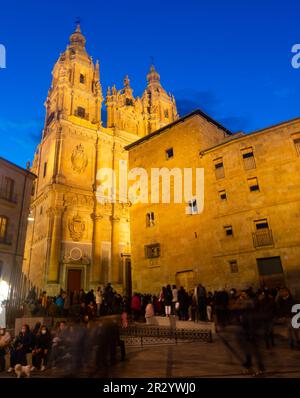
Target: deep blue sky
(232, 59)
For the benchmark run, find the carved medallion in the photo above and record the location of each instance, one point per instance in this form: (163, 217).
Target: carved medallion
(76, 228)
(79, 159)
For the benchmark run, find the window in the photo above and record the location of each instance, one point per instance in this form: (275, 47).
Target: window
(219, 168)
(233, 266)
(1, 269)
(50, 117)
(228, 230)
(261, 224)
(82, 78)
(166, 113)
(41, 210)
(192, 207)
(152, 251)
(253, 184)
(263, 235)
(80, 112)
(222, 195)
(3, 228)
(45, 169)
(297, 145)
(7, 188)
(150, 219)
(248, 159)
(169, 153)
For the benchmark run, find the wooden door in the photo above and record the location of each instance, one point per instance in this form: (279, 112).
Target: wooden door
(74, 280)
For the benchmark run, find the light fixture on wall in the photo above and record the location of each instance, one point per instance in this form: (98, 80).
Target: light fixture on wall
(30, 216)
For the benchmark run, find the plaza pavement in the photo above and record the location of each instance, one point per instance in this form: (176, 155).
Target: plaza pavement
(222, 358)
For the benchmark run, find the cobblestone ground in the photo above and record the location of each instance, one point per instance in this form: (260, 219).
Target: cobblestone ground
(222, 358)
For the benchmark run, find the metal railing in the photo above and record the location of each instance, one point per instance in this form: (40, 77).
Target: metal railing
(262, 238)
(154, 335)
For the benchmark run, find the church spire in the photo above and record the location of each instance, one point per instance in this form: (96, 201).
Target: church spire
(77, 39)
(153, 76)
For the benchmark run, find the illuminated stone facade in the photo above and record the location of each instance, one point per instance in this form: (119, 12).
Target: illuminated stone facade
(249, 230)
(73, 235)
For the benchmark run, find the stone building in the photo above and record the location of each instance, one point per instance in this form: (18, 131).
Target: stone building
(76, 240)
(15, 191)
(247, 230)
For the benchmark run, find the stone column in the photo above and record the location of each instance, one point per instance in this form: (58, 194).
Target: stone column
(97, 238)
(115, 252)
(55, 244)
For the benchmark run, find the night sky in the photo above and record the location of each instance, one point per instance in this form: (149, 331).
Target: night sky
(232, 59)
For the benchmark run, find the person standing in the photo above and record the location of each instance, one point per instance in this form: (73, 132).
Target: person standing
(201, 294)
(174, 299)
(98, 300)
(149, 312)
(168, 300)
(5, 339)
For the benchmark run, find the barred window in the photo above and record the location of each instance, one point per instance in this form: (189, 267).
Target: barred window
(152, 251)
(219, 168)
(150, 219)
(297, 146)
(192, 207)
(248, 159)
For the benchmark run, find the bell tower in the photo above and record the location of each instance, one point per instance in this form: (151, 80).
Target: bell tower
(159, 106)
(60, 239)
(75, 93)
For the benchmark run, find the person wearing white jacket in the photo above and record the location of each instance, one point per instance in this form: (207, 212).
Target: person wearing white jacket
(99, 299)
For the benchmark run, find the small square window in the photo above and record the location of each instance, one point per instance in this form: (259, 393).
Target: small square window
(261, 224)
(253, 184)
(228, 230)
(169, 153)
(223, 195)
(81, 112)
(233, 266)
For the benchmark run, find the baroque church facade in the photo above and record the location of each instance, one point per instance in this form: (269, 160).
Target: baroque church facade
(74, 241)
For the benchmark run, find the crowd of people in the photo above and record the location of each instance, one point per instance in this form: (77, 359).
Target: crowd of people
(70, 347)
(254, 313)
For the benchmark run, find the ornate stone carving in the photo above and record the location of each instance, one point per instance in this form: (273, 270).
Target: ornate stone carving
(79, 159)
(76, 227)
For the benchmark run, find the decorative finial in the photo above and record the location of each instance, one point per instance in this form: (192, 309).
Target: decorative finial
(77, 23)
(126, 81)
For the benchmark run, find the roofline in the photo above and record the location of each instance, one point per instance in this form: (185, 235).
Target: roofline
(250, 134)
(24, 171)
(180, 120)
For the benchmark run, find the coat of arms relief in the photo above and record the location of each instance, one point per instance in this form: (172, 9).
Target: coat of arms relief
(79, 159)
(76, 227)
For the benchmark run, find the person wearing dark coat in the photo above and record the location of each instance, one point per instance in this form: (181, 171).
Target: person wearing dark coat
(201, 296)
(41, 348)
(168, 297)
(20, 347)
